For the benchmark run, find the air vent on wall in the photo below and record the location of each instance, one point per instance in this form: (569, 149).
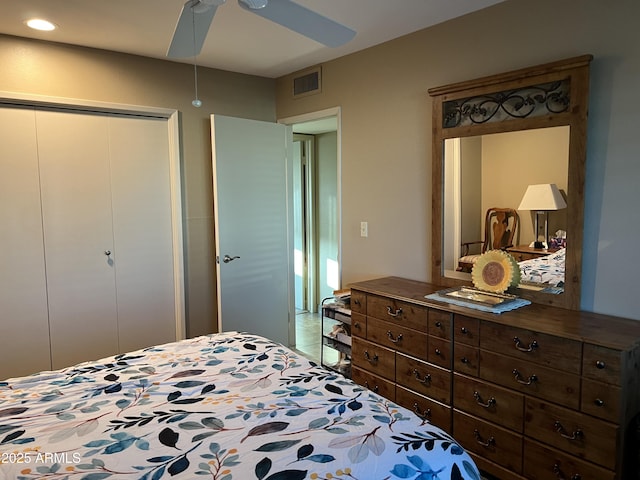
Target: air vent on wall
(308, 83)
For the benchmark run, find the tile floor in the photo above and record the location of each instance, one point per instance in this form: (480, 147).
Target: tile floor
(308, 339)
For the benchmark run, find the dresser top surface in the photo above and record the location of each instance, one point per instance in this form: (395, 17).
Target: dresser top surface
(598, 329)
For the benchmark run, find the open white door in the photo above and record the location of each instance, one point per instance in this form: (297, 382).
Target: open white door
(252, 175)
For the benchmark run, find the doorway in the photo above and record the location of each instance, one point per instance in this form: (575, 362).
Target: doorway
(317, 225)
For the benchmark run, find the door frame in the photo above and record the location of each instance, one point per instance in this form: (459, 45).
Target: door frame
(317, 115)
(308, 219)
(171, 116)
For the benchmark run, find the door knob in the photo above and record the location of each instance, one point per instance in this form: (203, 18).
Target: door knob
(228, 259)
(107, 252)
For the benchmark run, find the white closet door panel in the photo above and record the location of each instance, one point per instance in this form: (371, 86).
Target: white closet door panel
(76, 203)
(24, 326)
(142, 231)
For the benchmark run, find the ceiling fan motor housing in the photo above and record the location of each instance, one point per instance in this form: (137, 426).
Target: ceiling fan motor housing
(254, 4)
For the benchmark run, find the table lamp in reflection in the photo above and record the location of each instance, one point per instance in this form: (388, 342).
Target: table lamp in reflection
(541, 199)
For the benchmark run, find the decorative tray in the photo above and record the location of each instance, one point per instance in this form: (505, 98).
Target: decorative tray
(477, 296)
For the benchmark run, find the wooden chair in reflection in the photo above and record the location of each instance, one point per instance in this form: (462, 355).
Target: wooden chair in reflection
(500, 228)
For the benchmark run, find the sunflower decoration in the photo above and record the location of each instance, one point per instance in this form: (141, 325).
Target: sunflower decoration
(495, 271)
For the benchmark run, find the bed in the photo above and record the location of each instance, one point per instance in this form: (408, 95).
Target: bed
(229, 406)
(544, 273)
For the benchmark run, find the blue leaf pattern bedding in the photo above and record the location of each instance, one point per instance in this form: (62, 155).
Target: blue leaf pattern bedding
(546, 270)
(229, 406)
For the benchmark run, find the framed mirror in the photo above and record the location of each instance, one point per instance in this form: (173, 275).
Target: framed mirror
(494, 137)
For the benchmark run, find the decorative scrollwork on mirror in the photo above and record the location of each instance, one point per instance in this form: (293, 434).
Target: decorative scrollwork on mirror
(549, 95)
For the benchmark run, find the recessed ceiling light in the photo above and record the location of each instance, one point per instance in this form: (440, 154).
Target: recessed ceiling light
(40, 24)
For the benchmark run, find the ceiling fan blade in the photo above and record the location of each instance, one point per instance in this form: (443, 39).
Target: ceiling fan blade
(184, 42)
(304, 21)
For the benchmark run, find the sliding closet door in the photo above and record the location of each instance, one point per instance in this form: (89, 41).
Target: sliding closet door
(79, 248)
(24, 327)
(142, 231)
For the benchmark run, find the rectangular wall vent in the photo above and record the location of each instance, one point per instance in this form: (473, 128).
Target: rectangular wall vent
(308, 83)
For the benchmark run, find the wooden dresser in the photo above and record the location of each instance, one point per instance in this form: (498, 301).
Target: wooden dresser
(536, 393)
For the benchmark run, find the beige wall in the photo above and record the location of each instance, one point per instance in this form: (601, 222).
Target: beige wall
(42, 68)
(386, 139)
(514, 160)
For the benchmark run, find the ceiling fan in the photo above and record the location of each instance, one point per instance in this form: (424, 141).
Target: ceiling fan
(197, 15)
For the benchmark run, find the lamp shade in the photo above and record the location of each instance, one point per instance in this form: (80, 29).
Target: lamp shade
(545, 196)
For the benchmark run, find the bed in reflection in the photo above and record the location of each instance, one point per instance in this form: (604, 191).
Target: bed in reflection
(545, 273)
(225, 406)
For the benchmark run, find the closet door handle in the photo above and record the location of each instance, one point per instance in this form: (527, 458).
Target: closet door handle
(107, 252)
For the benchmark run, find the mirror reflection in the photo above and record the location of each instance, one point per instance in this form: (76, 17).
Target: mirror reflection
(485, 180)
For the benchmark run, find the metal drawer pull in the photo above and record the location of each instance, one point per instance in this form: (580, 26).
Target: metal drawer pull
(397, 313)
(530, 381)
(491, 402)
(369, 358)
(438, 352)
(563, 433)
(599, 402)
(532, 346)
(464, 330)
(356, 301)
(600, 365)
(464, 360)
(490, 441)
(394, 340)
(424, 415)
(560, 475)
(425, 380)
(374, 389)
(357, 325)
(438, 324)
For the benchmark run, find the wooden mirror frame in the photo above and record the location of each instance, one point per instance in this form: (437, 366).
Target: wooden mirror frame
(573, 73)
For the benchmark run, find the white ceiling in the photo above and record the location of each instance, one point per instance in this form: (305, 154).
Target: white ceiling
(238, 40)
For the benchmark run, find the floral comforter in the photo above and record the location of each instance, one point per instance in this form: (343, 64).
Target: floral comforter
(547, 270)
(229, 406)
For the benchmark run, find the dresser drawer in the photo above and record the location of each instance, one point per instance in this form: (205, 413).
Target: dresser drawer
(374, 383)
(397, 311)
(494, 443)
(439, 352)
(489, 402)
(600, 400)
(467, 330)
(394, 336)
(498, 472)
(358, 325)
(439, 324)
(373, 358)
(536, 380)
(539, 348)
(423, 378)
(466, 359)
(427, 409)
(573, 432)
(358, 302)
(542, 463)
(603, 364)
